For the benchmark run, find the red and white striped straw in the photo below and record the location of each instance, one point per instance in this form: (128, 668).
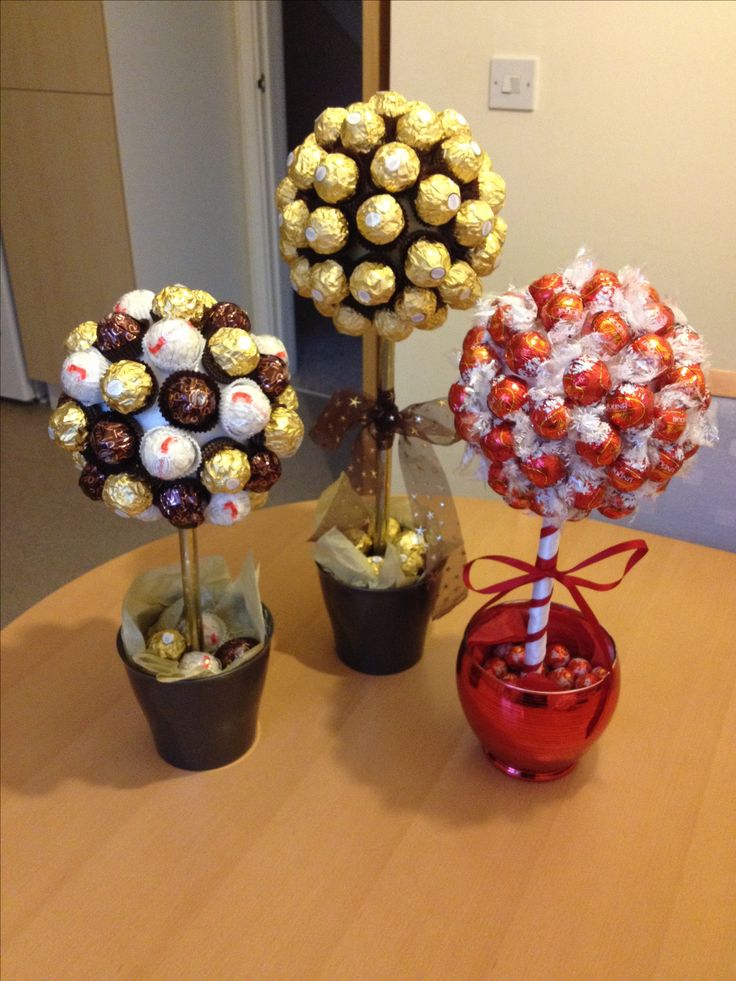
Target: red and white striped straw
(536, 631)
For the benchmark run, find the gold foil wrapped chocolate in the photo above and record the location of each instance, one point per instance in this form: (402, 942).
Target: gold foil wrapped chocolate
(327, 230)
(328, 282)
(300, 276)
(336, 178)
(351, 322)
(178, 302)
(462, 157)
(473, 223)
(388, 104)
(390, 325)
(326, 308)
(226, 471)
(68, 427)
(284, 432)
(257, 499)
(289, 253)
(436, 320)
(461, 287)
(127, 494)
(167, 643)
(79, 461)
(286, 192)
(395, 166)
(360, 538)
(362, 128)
(412, 549)
(454, 123)
(438, 199)
(82, 337)
(427, 263)
(492, 188)
(419, 127)
(328, 125)
(372, 283)
(234, 351)
(499, 228)
(380, 219)
(288, 398)
(206, 300)
(127, 386)
(484, 258)
(293, 222)
(303, 162)
(416, 305)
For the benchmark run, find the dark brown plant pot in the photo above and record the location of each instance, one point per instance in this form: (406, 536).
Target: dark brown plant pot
(203, 723)
(379, 631)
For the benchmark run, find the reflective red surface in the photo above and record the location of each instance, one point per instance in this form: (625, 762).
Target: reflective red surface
(534, 735)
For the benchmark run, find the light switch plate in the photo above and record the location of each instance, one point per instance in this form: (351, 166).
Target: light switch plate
(513, 84)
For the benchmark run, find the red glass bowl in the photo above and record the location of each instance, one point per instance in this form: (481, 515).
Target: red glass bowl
(535, 735)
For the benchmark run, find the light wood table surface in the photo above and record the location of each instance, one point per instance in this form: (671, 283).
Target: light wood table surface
(365, 836)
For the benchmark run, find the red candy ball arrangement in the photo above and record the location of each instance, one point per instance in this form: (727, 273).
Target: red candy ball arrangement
(173, 408)
(584, 391)
(561, 667)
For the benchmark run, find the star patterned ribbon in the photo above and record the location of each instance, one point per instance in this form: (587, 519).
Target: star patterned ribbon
(417, 427)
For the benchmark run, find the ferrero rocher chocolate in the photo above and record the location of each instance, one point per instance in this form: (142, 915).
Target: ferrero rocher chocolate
(473, 223)
(69, 426)
(303, 162)
(336, 178)
(326, 308)
(419, 127)
(289, 253)
(300, 275)
(119, 336)
(113, 441)
(181, 303)
(362, 128)
(167, 643)
(127, 494)
(372, 283)
(388, 104)
(288, 398)
(491, 188)
(225, 471)
(183, 503)
(82, 337)
(380, 219)
(272, 375)
(190, 399)
(454, 123)
(265, 470)
(351, 322)
(128, 386)
(461, 287)
(360, 539)
(284, 432)
(412, 549)
(462, 157)
(499, 228)
(484, 258)
(234, 351)
(416, 305)
(395, 166)
(286, 192)
(328, 125)
(326, 231)
(427, 263)
(438, 199)
(92, 481)
(328, 282)
(224, 315)
(257, 499)
(389, 325)
(434, 321)
(294, 218)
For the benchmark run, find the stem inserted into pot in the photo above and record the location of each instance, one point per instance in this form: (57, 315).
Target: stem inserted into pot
(535, 650)
(190, 584)
(385, 359)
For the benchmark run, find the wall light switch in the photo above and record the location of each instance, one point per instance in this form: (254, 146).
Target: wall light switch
(513, 84)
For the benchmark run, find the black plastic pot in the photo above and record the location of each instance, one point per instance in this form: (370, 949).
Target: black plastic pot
(379, 631)
(203, 723)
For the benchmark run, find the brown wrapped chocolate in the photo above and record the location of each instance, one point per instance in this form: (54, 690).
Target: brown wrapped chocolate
(190, 399)
(395, 167)
(113, 441)
(183, 503)
(326, 231)
(272, 375)
(224, 315)
(92, 481)
(128, 386)
(438, 199)
(265, 470)
(380, 219)
(372, 283)
(336, 178)
(427, 263)
(119, 336)
(473, 224)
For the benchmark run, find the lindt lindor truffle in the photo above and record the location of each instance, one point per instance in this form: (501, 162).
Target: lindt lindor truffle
(190, 399)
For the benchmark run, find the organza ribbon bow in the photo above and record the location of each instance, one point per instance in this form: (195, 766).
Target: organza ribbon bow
(379, 422)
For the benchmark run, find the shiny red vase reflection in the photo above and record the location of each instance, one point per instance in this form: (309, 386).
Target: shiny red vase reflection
(535, 735)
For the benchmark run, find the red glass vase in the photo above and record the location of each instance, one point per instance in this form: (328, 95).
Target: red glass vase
(535, 735)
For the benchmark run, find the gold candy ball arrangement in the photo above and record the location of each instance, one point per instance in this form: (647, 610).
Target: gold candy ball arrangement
(173, 408)
(389, 214)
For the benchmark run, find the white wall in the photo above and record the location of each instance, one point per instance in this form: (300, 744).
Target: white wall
(175, 89)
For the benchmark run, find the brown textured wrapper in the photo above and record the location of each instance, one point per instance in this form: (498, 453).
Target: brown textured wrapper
(126, 493)
(300, 276)
(336, 178)
(127, 386)
(427, 263)
(69, 426)
(388, 104)
(351, 322)
(286, 192)
(394, 167)
(380, 219)
(473, 223)
(328, 282)
(438, 199)
(328, 124)
(293, 222)
(234, 351)
(284, 432)
(362, 128)
(484, 258)
(389, 325)
(167, 643)
(82, 337)
(226, 471)
(302, 163)
(372, 283)
(419, 127)
(415, 304)
(462, 157)
(454, 123)
(179, 302)
(460, 289)
(492, 188)
(436, 320)
(327, 231)
(288, 398)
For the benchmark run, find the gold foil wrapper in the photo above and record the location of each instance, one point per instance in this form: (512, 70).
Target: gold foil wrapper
(500, 228)
(350, 322)
(394, 167)
(226, 472)
(293, 222)
(167, 643)
(380, 219)
(326, 309)
(206, 299)
(390, 325)
(327, 231)
(234, 351)
(288, 398)
(438, 199)
(328, 282)
(462, 157)
(362, 128)
(284, 432)
(178, 302)
(258, 499)
(454, 123)
(372, 283)
(412, 549)
(82, 337)
(328, 125)
(289, 252)
(360, 538)
(388, 104)
(79, 461)
(427, 263)
(336, 178)
(416, 305)
(484, 258)
(302, 163)
(419, 127)
(126, 493)
(68, 426)
(286, 192)
(492, 189)
(436, 320)
(473, 223)
(127, 386)
(300, 276)
(460, 289)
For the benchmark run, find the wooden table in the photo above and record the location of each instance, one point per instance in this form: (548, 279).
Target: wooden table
(365, 836)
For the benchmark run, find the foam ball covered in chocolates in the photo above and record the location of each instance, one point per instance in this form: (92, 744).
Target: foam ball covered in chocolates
(173, 345)
(128, 386)
(113, 441)
(169, 453)
(183, 503)
(82, 373)
(284, 432)
(244, 409)
(190, 399)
